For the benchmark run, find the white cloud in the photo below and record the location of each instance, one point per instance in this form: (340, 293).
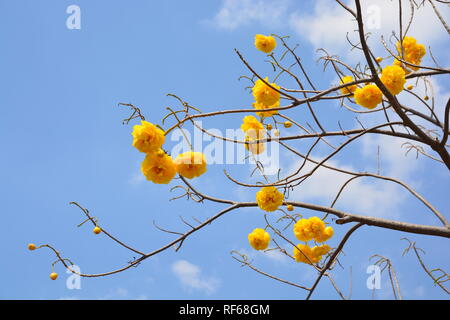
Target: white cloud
(191, 277)
(367, 196)
(327, 25)
(393, 159)
(237, 13)
(361, 196)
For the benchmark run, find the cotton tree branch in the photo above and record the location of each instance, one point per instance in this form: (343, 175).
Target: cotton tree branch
(180, 239)
(444, 277)
(244, 261)
(345, 217)
(385, 263)
(418, 196)
(86, 212)
(290, 179)
(446, 124)
(438, 14)
(333, 257)
(294, 104)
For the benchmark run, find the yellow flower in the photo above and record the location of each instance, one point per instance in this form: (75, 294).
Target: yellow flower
(308, 229)
(326, 234)
(303, 254)
(254, 131)
(316, 226)
(408, 43)
(31, 246)
(147, 137)
(158, 167)
(319, 251)
(393, 77)
(260, 106)
(259, 239)
(413, 52)
(416, 54)
(290, 207)
(191, 164)
(269, 199)
(250, 123)
(348, 89)
(264, 94)
(308, 255)
(265, 43)
(379, 59)
(368, 96)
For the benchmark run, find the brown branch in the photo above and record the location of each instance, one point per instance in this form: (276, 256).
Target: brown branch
(333, 258)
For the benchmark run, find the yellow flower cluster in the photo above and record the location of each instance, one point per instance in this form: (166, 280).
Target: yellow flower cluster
(348, 89)
(393, 77)
(158, 166)
(312, 228)
(265, 43)
(305, 230)
(259, 239)
(368, 96)
(309, 255)
(413, 52)
(264, 94)
(254, 131)
(269, 199)
(266, 97)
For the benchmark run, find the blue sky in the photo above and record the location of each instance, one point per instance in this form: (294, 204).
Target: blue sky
(62, 140)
